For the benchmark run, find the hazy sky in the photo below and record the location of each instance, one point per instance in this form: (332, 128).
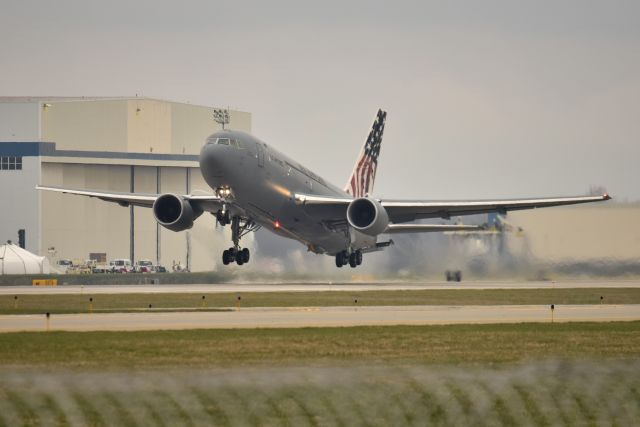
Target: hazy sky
(484, 98)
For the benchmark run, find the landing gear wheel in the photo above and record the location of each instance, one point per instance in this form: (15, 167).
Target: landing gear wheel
(239, 258)
(225, 257)
(353, 260)
(342, 259)
(246, 255)
(223, 217)
(358, 257)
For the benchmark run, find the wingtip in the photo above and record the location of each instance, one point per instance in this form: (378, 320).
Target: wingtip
(606, 196)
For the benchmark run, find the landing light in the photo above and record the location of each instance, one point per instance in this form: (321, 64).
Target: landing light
(224, 192)
(276, 225)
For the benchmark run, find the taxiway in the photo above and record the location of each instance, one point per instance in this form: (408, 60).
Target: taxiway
(313, 287)
(318, 317)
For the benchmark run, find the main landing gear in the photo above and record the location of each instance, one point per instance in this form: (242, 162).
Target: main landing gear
(239, 227)
(240, 256)
(354, 259)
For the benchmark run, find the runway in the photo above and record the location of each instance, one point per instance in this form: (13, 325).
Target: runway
(313, 287)
(318, 317)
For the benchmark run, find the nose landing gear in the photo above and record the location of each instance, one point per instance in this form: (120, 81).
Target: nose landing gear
(223, 217)
(239, 228)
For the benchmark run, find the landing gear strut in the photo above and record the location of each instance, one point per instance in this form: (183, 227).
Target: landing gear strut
(354, 259)
(239, 227)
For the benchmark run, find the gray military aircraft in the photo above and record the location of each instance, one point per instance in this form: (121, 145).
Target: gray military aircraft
(254, 186)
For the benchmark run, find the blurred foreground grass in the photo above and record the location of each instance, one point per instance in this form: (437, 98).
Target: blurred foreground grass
(536, 393)
(75, 303)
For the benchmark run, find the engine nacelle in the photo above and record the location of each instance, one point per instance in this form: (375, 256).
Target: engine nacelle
(367, 216)
(174, 212)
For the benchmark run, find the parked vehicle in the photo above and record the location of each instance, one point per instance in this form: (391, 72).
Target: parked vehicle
(121, 266)
(101, 269)
(144, 266)
(63, 265)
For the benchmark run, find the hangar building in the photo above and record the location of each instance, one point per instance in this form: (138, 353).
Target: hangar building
(115, 144)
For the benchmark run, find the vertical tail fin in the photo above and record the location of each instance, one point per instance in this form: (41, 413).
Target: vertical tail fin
(360, 182)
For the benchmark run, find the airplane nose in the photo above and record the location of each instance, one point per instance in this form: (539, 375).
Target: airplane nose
(211, 162)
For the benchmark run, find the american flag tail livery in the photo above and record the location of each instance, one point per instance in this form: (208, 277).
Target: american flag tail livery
(360, 183)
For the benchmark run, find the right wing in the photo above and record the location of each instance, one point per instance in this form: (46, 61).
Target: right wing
(208, 203)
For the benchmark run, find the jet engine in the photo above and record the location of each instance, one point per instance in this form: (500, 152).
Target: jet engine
(367, 216)
(174, 212)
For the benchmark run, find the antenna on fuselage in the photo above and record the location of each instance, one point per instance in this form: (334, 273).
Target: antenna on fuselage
(221, 116)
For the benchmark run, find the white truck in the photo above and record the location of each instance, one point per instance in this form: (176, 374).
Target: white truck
(121, 266)
(144, 266)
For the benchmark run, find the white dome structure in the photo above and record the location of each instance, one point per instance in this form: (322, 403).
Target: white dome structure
(15, 260)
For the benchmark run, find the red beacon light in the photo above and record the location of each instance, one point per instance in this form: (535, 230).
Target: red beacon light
(276, 225)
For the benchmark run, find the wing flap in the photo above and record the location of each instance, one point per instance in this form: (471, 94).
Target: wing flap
(428, 228)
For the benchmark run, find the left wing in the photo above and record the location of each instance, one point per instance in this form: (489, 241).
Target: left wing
(208, 203)
(405, 211)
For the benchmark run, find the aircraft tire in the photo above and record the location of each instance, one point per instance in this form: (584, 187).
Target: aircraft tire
(358, 257)
(353, 260)
(246, 255)
(339, 260)
(225, 257)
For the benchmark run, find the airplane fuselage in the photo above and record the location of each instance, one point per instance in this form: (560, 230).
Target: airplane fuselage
(263, 182)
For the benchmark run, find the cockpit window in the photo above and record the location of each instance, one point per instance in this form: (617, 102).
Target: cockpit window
(234, 142)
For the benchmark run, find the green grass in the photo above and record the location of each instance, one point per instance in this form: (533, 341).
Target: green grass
(34, 304)
(452, 344)
(509, 374)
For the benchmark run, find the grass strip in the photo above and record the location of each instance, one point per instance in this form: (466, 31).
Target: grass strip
(36, 304)
(443, 344)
